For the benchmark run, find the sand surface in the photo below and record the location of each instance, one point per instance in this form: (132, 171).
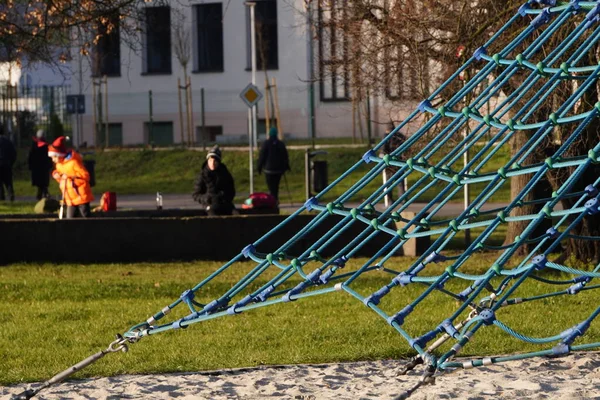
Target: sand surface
(576, 376)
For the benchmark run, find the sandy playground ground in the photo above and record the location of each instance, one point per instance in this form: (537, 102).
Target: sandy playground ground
(576, 376)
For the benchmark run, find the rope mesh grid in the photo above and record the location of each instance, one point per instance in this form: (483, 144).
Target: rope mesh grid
(481, 117)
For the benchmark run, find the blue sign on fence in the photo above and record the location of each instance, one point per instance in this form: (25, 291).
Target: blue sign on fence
(75, 104)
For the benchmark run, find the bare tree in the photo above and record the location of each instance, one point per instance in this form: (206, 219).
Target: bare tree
(403, 49)
(36, 29)
(182, 43)
(182, 47)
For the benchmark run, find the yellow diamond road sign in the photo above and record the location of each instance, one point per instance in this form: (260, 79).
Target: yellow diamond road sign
(251, 95)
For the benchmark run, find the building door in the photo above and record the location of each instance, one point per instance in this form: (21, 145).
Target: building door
(115, 135)
(159, 133)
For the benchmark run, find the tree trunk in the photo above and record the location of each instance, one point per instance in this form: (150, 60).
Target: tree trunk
(517, 183)
(187, 103)
(584, 250)
(541, 190)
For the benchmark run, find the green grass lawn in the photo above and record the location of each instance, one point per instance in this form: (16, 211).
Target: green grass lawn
(16, 207)
(174, 171)
(52, 316)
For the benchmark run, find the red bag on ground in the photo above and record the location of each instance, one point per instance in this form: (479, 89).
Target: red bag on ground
(108, 201)
(259, 200)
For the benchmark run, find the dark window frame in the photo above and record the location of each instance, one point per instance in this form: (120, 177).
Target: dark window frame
(402, 80)
(107, 52)
(154, 47)
(266, 26)
(394, 84)
(401, 76)
(211, 33)
(337, 67)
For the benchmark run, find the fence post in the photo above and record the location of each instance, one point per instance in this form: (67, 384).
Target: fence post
(191, 112)
(100, 115)
(368, 104)
(180, 112)
(203, 119)
(94, 116)
(150, 135)
(106, 109)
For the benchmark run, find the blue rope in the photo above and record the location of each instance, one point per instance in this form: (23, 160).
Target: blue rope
(438, 176)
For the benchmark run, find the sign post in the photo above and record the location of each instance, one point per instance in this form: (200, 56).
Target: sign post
(251, 96)
(76, 106)
(252, 111)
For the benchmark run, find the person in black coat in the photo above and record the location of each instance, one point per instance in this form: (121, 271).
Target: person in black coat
(390, 146)
(8, 156)
(40, 164)
(274, 161)
(214, 187)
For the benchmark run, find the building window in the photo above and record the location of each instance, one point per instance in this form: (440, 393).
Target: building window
(115, 134)
(403, 72)
(395, 57)
(25, 83)
(406, 62)
(334, 59)
(158, 133)
(265, 20)
(208, 37)
(157, 48)
(107, 52)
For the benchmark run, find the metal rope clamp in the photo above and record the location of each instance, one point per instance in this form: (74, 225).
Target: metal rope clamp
(120, 344)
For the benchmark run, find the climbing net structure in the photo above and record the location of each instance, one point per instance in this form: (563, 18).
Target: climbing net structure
(545, 48)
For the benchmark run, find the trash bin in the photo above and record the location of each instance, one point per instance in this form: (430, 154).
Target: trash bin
(90, 165)
(319, 175)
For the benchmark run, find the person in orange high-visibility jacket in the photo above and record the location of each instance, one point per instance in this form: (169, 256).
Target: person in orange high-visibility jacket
(72, 177)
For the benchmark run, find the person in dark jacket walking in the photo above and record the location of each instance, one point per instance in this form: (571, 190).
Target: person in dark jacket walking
(390, 146)
(214, 187)
(8, 156)
(40, 164)
(274, 161)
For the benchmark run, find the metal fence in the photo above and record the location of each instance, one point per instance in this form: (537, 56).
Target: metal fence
(117, 118)
(25, 109)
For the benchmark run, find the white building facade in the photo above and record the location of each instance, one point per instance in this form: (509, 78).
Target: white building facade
(139, 96)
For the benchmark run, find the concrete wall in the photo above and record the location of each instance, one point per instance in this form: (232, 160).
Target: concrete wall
(161, 239)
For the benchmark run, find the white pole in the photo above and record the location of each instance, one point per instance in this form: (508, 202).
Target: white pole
(466, 190)
(251, 154)
(310, 73)
(466, 187)
(252, 111)
(253, 58)
(387, 199)
(80, 92)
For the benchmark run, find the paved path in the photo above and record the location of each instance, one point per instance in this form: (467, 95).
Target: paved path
(184, 201)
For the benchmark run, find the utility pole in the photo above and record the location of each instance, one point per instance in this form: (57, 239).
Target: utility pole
(79, 136)
(310, 73)
(252, 124)
(150, 117)
(253, 50)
